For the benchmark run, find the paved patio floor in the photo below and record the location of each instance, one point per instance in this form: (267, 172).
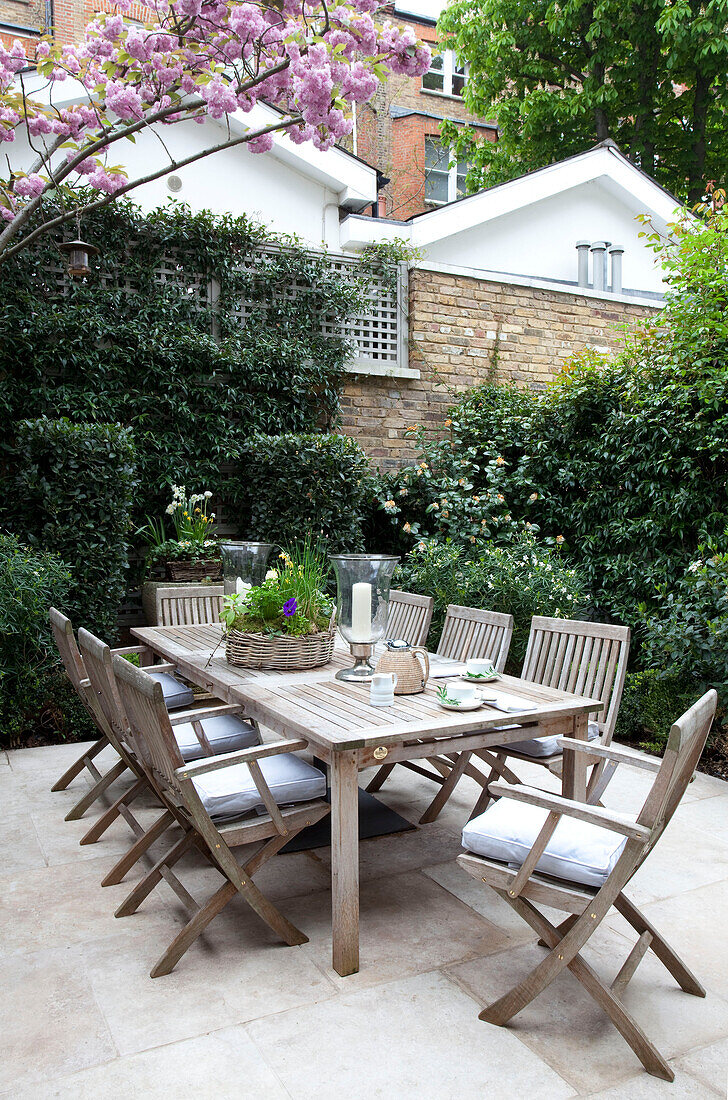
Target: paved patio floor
(245, 1017)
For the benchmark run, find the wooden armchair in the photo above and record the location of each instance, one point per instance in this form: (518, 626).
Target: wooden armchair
(74, 667)
(537, 849)
(468, 632)
(410, 616)
(583, 658)
(205, 730)
(214, 801)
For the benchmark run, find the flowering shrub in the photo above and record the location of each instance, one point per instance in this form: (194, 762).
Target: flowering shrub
(192, 525)
(36, 700)
(197, 59)
(447, 494)
(292, 599)
(523, 578)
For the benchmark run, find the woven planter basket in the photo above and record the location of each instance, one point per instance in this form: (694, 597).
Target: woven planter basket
(194, 570)
(282, 651)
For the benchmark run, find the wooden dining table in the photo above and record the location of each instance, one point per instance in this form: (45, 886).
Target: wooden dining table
(349, 734)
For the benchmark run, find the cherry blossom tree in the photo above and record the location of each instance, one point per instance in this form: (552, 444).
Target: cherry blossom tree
(197, 60)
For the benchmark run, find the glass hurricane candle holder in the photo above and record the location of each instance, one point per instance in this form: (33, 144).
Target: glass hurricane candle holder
(244, 564)
(362, 607)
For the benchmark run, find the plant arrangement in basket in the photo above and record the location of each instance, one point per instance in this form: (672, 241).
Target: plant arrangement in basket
(194, 552)
(288, 621)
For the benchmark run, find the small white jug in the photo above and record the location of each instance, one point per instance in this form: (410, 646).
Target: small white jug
(381, 689)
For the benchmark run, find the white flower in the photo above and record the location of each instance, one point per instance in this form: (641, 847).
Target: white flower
(694, 566)
(207, 494)
(170, 509)
(272, 575)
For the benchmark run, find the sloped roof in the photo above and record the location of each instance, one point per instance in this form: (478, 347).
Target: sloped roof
(604, 162)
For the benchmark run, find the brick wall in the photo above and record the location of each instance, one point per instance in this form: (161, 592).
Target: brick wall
(463, 330)
(396, 145)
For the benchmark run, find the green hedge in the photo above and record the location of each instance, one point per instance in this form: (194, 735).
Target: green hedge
(37, 703)
(193, 377)
(288, 486)
(68, 488)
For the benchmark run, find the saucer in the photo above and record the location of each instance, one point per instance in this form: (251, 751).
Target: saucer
(476, 703)
(479, 678)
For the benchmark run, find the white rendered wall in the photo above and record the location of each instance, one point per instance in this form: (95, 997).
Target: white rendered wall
(539, 241)
(233, 181)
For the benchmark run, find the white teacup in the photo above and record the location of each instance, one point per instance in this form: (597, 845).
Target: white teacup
(476, 666)
(464, 693)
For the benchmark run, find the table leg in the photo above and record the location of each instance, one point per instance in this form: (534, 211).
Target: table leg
(575, 764)
(345, 862)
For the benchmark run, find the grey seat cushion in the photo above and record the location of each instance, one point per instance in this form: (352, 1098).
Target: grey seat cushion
(230, 792)
(226, 733)
(175, 694)
(577, 851)
(548, 746)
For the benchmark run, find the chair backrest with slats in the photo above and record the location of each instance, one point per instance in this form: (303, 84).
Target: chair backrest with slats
(189, 606)
(583, 658)
(97, 662)
(409, 616)
(142, 700)
(684, 749)
(470, 632)
(74, 666)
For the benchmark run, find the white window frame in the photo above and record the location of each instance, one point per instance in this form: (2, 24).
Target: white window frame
(452, 177)
(449, 65)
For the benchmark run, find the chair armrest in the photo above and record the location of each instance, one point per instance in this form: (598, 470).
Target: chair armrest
(124, 651)
(594, 815)
(242, 756)
(163, 666)
(620, 756)
(202, 713)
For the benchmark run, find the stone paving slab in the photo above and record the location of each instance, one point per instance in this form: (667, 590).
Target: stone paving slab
(243, 1016)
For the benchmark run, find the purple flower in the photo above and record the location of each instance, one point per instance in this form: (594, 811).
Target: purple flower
(290, 607)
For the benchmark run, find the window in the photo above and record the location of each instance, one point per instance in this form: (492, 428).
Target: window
(445, 75)
(444, 176)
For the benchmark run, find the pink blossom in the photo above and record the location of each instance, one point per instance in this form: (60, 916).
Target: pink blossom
(29, 186)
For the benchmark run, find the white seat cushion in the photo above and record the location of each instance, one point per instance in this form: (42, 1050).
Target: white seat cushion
(175, 694)
(230, 792)
(577, 851)
(226, 733)
(548, 746)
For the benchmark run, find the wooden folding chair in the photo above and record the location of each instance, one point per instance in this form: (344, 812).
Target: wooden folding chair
(188, 606)
(468, 632)
(203, 794)
(585, 659)
(409, 616)
(551, 851)
(74, 667)
(202, 720)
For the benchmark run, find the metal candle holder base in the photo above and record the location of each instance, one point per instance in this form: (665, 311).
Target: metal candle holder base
(362, 670)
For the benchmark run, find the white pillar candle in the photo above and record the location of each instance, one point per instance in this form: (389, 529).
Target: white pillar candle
(361, 612)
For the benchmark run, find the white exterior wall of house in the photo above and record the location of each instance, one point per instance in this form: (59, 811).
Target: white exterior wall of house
(539, 241)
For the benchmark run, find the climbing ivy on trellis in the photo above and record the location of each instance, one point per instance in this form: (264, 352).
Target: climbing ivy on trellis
(195, 330)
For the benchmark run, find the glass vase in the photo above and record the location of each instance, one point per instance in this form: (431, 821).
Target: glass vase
(362, 606)
(244, 564)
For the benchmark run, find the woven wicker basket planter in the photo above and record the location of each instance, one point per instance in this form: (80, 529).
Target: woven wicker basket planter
(282, 652)
(195, 570)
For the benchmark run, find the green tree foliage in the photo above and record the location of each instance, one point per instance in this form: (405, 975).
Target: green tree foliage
(626, 457)
(560, 76)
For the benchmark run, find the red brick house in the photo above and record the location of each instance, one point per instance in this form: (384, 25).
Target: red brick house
(398, 132)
